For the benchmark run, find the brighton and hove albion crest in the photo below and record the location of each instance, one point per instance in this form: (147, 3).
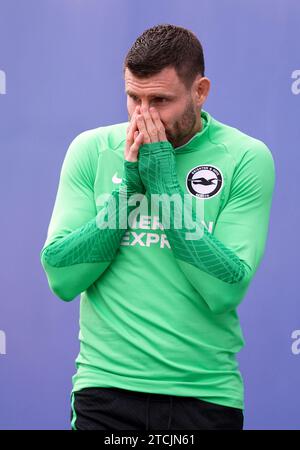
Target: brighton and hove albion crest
(204, 181)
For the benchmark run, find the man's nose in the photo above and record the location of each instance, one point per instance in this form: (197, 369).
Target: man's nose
(145, 104)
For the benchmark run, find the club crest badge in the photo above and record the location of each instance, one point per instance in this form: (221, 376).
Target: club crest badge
(204, 181)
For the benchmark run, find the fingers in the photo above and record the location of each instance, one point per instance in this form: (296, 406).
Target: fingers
(150, 126)
(132, 125)
(132, 153)
(143, 129)
(158, 124)
(131, 129)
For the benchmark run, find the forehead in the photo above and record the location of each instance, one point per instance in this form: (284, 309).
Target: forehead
(166, 81)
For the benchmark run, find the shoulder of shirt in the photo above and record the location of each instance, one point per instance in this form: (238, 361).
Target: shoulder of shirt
(82, 155)
(239, 145)
(102, 138)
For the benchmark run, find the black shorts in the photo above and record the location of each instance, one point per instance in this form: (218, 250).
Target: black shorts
(120, 409)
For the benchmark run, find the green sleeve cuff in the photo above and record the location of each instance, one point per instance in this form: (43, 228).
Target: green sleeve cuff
(131, 179)
(155, 147)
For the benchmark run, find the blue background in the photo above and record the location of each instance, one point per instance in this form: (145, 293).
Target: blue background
(63, 64)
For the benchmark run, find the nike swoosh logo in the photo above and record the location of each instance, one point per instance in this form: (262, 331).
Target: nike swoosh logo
(115, 179)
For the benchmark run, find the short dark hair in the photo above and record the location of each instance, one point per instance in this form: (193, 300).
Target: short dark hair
(166, 45)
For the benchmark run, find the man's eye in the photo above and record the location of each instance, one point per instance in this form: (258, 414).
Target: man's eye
(156, 99)
(161, 99)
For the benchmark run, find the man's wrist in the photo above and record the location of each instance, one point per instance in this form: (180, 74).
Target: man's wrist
(157, 167)
(131, 178)
(155, 147)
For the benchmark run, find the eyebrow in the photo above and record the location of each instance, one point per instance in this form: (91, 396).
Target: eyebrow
(132, 94)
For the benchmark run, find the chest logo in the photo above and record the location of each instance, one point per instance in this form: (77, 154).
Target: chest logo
(204, 181)
(115, 179)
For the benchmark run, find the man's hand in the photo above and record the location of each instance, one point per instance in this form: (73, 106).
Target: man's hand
(134, 139)
(150, 125)
(157, 166)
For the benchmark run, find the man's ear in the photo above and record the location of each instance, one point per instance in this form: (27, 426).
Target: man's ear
(201, 90)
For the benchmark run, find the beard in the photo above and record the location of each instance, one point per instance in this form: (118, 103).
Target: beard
(183, 128)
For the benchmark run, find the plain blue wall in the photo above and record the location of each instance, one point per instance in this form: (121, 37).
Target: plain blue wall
(63, 65)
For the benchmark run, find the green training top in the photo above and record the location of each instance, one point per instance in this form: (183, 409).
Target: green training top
(162, 252)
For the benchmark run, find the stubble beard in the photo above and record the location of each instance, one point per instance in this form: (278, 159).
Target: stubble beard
(184, 128)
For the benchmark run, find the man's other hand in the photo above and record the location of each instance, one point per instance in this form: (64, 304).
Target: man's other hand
(134, 138)
(150, 125)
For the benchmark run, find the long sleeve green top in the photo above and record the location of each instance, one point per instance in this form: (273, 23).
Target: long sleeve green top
(159, 301)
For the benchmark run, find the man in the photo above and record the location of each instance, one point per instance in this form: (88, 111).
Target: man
(163, 260)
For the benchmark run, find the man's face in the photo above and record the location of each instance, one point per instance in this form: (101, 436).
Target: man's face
(177, 108)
